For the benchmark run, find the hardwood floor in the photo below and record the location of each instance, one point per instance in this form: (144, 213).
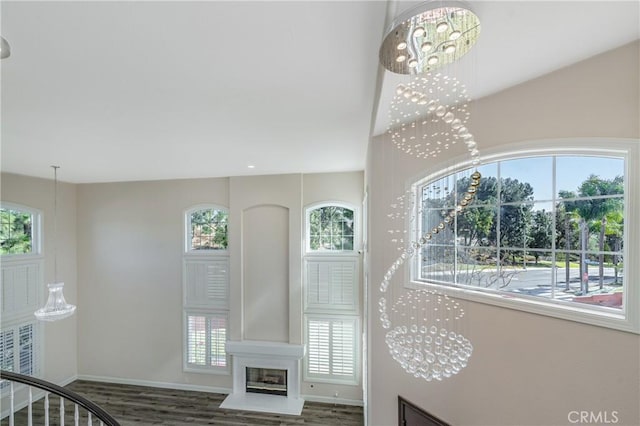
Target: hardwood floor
(145, 406)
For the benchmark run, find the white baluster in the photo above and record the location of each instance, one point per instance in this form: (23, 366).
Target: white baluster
(76, 416)
(46, 409)
(30, 409)
(11, 406)
(90, 422)
(61, 411)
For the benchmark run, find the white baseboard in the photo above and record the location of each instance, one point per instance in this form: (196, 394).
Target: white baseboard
(332, 400)
(152, 384)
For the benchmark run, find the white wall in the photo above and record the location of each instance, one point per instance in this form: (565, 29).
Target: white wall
(60, 337)
(526, 369)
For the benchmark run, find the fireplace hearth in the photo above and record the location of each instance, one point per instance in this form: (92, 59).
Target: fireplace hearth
(266, 377)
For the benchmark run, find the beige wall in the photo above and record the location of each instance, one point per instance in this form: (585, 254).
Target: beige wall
(130, 245)
(60, 337)
(526, 369)
(130, 263)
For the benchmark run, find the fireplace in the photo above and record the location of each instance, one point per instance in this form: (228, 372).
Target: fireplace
(266, 377)
(270, 381)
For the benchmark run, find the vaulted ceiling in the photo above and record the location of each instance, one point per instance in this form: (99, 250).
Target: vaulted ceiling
(116, 91)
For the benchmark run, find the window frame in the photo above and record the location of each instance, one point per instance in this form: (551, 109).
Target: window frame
(207, 369)
(188, 250)
(356, 231)
(330, 377)
(628, 317)
(36, 232)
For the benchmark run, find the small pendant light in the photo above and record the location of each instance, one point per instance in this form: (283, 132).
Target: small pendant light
(56, 307)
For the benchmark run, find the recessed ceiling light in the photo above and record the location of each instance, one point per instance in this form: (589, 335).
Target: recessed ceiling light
(432, 60)
(401, 58)
(413, 63)
(455, 35)
(450, 48)
(251, 166)
(402, 45)
(426, 46)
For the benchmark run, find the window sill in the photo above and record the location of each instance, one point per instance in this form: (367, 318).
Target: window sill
(598, 316)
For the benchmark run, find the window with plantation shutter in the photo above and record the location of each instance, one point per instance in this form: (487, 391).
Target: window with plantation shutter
(331, 293)
(19, 349)
(206, 335)
(206, 289)
(331, 348)
(332, 284)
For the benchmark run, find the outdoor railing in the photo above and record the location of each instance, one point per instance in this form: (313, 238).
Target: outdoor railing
(94, 412)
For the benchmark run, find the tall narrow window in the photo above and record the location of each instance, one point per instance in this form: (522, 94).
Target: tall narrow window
(21, 288)
(331, 310)
(206, 289)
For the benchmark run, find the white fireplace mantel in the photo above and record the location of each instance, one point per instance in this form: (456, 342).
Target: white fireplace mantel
(259, 354)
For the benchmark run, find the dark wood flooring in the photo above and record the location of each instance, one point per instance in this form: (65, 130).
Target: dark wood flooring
(146, 406)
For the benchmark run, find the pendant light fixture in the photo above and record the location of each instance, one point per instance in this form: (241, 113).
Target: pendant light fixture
(56, 307)
(429, 115)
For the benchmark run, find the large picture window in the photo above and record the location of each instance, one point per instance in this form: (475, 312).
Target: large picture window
(544, 229)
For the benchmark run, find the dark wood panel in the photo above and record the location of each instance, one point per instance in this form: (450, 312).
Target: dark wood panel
(411, 415)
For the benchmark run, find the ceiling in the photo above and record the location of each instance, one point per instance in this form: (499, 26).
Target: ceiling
(119, 91)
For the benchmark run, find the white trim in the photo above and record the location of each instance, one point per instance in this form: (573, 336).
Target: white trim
(333, 400)
(153, 384)
(626, 319)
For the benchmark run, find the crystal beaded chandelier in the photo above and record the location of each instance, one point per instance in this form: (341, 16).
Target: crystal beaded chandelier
(427, 116)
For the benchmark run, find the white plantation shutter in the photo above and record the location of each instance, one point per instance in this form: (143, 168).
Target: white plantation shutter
(218, 337)
(343, 348)
(196, 340)
(206, 336)
(332, 348)
(20, 283)
(206, 282)
(318, 341)
(26, 347)
(331, 284)
(19, 349)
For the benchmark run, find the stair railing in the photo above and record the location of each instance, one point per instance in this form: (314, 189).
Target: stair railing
(94, 411)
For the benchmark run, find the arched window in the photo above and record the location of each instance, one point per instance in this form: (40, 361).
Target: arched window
(330, 228)
(206, 228)
(544, 231)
